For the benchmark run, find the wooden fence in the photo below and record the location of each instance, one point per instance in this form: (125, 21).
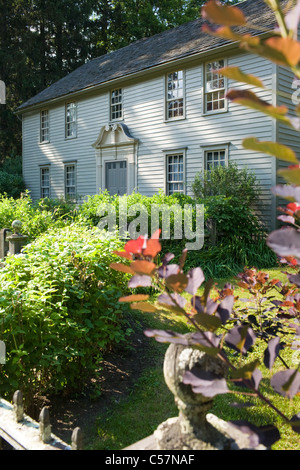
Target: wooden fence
(23, 433)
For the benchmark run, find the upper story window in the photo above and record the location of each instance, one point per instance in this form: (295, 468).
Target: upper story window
(175, 173)
(44, 126)
(116, 105)
(70, 181)
(45, 181)
(71, 120)
(175, 95)
(215, 87)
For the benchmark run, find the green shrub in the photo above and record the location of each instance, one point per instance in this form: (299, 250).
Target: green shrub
(236, 223)
(11, 179)
(59, 310)
(229, 181)
(37, 217)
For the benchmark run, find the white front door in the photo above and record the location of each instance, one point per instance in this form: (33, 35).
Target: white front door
(116, 177)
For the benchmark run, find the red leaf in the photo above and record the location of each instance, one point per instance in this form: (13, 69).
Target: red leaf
(121, 267)
(153, 248)
(123, 254)
(143, 267)
(135, 246)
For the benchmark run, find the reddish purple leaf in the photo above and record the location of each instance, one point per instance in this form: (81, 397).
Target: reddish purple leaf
(225, 308)
(167, 336)
(266, 435)
(286, 382)
(240, 338)
(206, 383)
(295, 423)
(173, 301)
(140, 281)
(285, 242)
(209, 308)
(272, 352)
(287, 191)
(165, 270)
(195, 279)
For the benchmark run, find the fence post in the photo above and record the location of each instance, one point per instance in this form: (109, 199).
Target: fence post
(77, 439)
(18, 406)
(45, 426)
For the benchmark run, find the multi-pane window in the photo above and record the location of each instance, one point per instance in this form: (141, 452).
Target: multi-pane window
(70, 181)
(175, 173)
(44, 129)
(71, 118)
(214, 158)
(175, 95)
(45, 181)
(116, 105)
(214, 87)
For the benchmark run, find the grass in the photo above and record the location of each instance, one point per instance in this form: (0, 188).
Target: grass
(151, 403)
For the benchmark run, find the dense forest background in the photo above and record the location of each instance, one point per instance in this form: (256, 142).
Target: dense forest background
(43, 40)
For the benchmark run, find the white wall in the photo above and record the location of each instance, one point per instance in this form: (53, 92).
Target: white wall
(144, 116)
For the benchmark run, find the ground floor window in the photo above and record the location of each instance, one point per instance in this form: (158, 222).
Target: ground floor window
(215, 158)
(175, 173)
(70, 181)
(45, 181)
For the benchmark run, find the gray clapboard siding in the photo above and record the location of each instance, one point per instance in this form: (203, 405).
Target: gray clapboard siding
(144, 110)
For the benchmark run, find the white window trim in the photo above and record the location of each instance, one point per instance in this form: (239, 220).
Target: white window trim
(215, 111)
(41, 168)
(66, 123)
(167, 153)
(46, 141)
(66, 164)
(177, 118)
(111, 106)
(217, 147)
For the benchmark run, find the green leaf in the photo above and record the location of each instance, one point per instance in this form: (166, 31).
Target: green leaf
(209, 322)
(271, 148)
(134, 298)
(249, 99)
(236, 74)
(291, 175)
(143, 306)
(246, 371)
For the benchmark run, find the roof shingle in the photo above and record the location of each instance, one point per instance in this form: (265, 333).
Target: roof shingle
(180, 42)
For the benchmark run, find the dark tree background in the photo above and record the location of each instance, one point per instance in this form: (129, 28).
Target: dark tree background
(43, 40)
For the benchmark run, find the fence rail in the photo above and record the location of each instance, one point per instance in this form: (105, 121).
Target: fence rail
(23, 433)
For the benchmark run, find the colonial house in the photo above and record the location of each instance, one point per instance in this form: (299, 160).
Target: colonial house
(151, 115)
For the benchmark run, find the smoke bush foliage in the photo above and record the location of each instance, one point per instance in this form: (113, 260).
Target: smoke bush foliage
(59, 310)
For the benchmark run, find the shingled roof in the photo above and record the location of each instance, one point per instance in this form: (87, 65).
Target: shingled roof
(178, 43)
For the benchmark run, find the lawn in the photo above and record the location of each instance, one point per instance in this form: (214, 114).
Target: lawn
(151, 403)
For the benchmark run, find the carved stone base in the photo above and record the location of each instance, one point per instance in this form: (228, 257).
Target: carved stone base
(168, 436)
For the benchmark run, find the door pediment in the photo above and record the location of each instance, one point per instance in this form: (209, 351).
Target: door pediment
(114, 135)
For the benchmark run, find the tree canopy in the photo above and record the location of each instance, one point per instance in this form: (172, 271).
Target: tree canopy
(43, 40)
